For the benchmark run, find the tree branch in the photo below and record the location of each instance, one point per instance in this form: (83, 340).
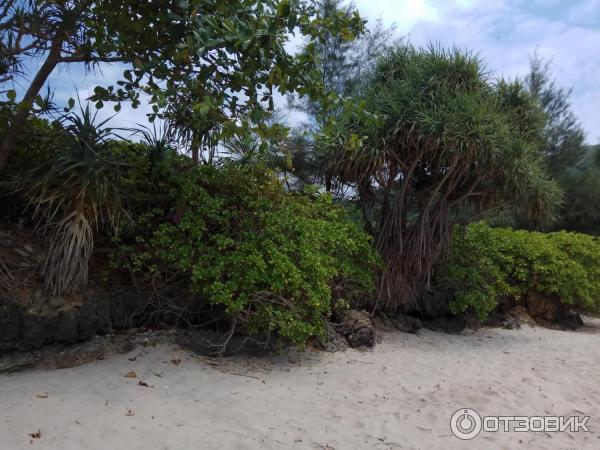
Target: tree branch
(92, 59)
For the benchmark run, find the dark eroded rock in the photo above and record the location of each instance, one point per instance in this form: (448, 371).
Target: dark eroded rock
(548, 310)
(398, 321)
(334, 341)
(357, 328)
(434, 303)
(447, 324)
(544, 306)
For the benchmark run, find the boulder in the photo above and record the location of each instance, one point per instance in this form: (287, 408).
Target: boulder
(495, 319)
(398, 321)
(544, 306)
(548, 310)
(571, 320)
(334, 341)
(11, 324)
(434, 303)
(357, 328)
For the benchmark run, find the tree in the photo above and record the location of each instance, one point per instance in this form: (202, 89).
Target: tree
(59, 32)
(563, 134)
(432, 142)
(341, 59)
(573, 164)
(342, 63)
(233, 51)
(581, 210)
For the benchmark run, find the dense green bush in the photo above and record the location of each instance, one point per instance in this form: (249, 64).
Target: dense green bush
(274, 261)
(488, 263)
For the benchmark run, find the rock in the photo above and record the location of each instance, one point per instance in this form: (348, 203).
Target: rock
(61, 357)
(472, 320)
(571, 320)
(11, 324)
(495, 319)
(357, 328)
(447, 324)
(87, 323)
(510, 315)
(334, 341)
(544, 306)
(66, 331)
(40, 319)
(511, 323)
(548, 310)
(402, 322)
(39, 327)
(434, 303)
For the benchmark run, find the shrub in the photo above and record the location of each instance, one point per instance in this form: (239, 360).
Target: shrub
(72, 189)
(487, 263)
(274, 261)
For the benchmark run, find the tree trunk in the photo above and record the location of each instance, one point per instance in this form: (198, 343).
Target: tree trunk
(195, 147)
(328, 183)
(24, 107)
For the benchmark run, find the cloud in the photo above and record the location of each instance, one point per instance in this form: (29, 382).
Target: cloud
(506, 33)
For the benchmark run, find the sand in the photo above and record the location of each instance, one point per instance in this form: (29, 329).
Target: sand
(399, 395)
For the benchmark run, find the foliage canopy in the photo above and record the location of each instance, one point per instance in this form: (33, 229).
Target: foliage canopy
(274, 262)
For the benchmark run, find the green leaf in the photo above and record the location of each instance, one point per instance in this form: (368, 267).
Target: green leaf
(11, 95)
(283, 8)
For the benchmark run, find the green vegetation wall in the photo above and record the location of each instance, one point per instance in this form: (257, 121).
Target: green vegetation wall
(272, 261)
(488, 263)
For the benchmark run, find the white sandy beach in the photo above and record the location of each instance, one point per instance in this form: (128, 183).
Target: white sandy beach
(400, 395)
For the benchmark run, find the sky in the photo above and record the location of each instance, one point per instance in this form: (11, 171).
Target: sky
(504, 33)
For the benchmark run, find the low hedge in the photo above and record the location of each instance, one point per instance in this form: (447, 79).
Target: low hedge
(486, 264)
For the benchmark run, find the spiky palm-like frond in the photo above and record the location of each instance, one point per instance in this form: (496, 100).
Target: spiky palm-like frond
(72, 194)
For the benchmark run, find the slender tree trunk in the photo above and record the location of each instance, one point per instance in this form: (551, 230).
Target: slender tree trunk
(195, 147)
(328, 183)
(24, 107)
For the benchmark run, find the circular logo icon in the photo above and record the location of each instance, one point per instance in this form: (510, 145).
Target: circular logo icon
(465, 424)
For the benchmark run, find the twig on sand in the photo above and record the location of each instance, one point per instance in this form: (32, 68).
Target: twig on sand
(243, 375)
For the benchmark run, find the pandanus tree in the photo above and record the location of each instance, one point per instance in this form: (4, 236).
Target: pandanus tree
(74, 193)
(433, 141)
